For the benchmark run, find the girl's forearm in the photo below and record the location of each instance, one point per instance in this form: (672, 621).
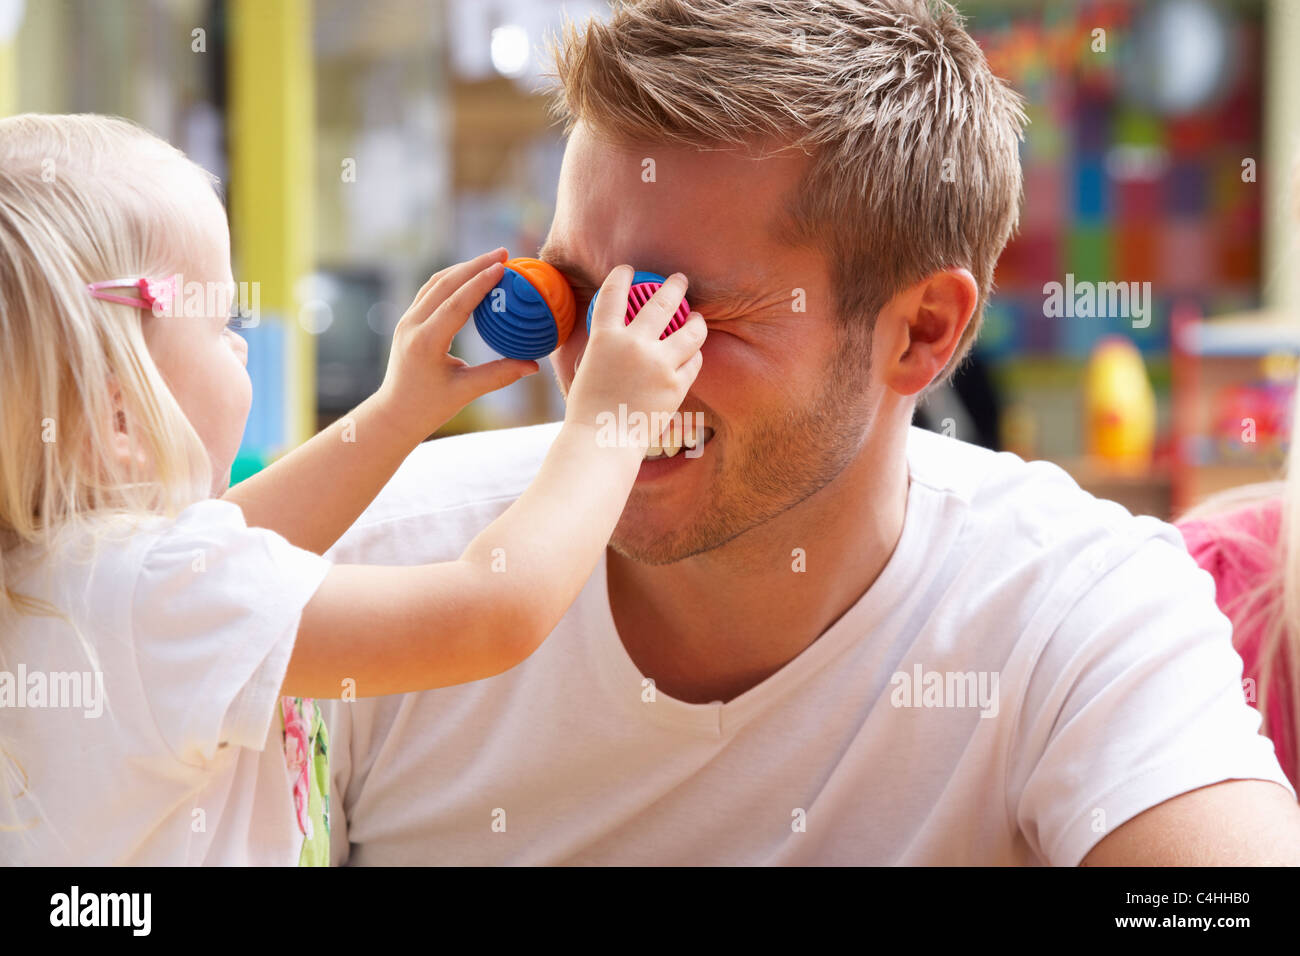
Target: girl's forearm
(539, 553)
(393, 630)
(314, 493)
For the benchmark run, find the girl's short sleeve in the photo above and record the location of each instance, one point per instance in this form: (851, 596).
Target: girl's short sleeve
(214, 614)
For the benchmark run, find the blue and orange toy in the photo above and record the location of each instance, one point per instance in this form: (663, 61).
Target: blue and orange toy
(531, 311)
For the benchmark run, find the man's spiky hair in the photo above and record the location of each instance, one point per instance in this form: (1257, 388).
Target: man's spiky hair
(913, 141)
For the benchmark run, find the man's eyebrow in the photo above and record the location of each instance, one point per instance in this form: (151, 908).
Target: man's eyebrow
(707, 293)
(561, 260)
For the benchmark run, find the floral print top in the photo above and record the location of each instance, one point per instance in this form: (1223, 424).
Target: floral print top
(306, 751)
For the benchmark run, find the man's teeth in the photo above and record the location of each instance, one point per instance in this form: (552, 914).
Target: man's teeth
(671, 442)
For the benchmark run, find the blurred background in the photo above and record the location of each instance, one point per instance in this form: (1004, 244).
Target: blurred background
(1143, 333)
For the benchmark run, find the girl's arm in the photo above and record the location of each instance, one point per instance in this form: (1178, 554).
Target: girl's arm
(315, 493)
(399, 629)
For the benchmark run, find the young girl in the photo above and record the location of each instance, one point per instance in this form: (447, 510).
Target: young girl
(150, 619)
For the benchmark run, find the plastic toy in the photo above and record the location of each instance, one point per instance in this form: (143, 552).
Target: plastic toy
(644, 285)
(1253, 422)
(1120, 406)
(529, 313)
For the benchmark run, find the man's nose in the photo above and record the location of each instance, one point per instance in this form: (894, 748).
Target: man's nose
(577, 344)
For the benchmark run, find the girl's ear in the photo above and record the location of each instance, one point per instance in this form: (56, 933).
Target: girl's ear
(123, 444)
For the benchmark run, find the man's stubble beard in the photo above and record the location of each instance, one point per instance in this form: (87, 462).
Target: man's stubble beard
(781, 463)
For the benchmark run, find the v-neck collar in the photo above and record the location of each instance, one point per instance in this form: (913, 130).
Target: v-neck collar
(625, 682)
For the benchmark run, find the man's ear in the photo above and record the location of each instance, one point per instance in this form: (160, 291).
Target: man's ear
(920, 328)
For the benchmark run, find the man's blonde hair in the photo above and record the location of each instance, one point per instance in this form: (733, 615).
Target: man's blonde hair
(914, 141)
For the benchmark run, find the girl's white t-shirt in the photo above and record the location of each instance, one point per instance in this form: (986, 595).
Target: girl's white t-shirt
(156, 740)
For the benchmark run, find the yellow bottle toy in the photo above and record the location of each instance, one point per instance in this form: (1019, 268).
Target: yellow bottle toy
(1120, 407)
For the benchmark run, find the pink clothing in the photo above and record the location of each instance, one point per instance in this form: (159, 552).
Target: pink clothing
(1238, 549)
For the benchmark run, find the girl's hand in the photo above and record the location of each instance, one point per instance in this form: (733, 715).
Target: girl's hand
(629, 364)
(425, 384)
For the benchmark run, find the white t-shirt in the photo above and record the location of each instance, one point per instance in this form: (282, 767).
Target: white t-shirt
(1117, 688)
(177, 758)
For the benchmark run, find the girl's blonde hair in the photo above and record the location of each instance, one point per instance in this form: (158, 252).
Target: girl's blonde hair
(85, 199)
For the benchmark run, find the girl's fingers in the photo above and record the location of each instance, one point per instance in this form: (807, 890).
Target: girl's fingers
(611, 300)
(441, 284)
(491, 376)
(690, 369)
(451, 316)
(686, 341)
(655, 315)
(428, 283)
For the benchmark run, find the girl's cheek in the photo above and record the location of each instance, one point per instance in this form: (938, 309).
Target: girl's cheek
(238, 345)
(245, 395)
(237, 388)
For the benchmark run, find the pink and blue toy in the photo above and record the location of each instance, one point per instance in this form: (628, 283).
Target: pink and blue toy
(644, 285)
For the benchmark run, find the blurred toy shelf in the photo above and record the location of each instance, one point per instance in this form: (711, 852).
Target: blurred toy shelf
(1230, 382)
(1251, 335)
(1233, 382)
(1135, 179)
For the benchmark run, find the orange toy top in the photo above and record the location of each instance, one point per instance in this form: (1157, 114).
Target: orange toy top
(554, 289)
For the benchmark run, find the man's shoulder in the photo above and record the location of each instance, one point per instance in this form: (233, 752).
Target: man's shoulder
(1021, 506)
(980, 475)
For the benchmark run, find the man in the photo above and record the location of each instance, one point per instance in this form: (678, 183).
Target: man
(829, 638)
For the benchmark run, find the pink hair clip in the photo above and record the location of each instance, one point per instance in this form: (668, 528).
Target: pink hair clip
(157, 295)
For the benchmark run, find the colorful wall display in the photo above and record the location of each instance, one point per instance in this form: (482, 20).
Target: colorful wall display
(1129, 178)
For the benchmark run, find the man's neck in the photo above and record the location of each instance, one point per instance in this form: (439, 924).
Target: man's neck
(713, 626)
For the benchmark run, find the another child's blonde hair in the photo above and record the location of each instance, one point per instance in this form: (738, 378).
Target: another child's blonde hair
(85, 199)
